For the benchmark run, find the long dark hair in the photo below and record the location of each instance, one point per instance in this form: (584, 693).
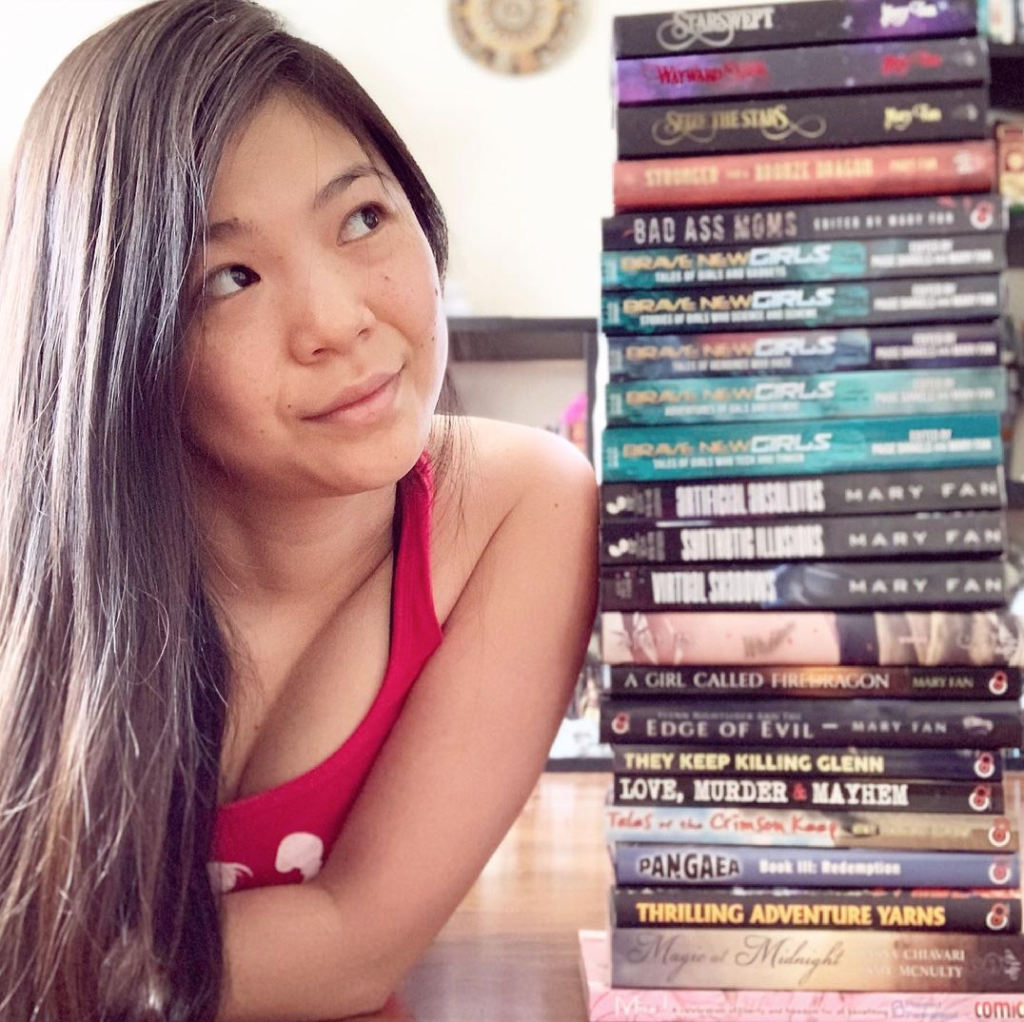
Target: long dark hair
(113, 664)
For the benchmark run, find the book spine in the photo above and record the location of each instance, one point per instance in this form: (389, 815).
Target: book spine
(813, 175)
(698, 399)
(802, 261)
(948, 535)
(813, 793)
(827, 908)
(686, 761)
(812, 722)
(933, 683)
(687, 77)
(811, 122)
(631, 1004)
(760, 225)
(685, 865)
(843, 303)
(770, 352)
(807, 828)
(797, 448)
(812, 960)
(770, 25)
(817, 639)
(957, 489)
(837, 585)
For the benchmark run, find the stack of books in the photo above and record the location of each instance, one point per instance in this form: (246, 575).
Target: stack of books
(803, 594)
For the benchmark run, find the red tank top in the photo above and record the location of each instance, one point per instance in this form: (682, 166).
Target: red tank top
(283, 835)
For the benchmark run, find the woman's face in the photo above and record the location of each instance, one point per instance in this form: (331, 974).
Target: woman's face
(316, 361)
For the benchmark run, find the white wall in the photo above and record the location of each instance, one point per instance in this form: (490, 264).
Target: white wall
(522, 164)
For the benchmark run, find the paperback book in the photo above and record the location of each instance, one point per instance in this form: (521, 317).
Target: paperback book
(848, 493)
(920, 63)
(761, 352)
(668, 867)
(930, 911)
(813, 638)
(755, 681)
(696, 399)
(804, 122)
(892, 761)
(605, 1003)
(802, 221)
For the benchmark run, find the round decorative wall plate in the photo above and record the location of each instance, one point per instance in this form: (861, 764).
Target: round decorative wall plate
(513, 36)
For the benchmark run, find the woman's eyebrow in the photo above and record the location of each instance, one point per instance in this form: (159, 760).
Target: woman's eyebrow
(232, 228)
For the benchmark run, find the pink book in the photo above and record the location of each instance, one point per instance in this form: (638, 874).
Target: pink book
(608, 1004)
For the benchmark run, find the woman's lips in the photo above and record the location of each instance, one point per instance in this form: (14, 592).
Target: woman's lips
(365, 402)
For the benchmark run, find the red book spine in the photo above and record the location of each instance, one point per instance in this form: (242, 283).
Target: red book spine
(925, 169)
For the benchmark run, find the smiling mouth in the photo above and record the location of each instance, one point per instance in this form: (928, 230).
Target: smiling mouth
(363, 403)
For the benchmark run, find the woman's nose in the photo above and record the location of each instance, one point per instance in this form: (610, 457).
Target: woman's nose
(329, 312)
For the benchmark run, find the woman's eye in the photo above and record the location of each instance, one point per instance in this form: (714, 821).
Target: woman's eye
(362, 222)
(230, 281)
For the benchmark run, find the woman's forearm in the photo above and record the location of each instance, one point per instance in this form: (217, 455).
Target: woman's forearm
(291, 953)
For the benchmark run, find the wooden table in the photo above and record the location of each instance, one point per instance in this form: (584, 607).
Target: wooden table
(509, 952)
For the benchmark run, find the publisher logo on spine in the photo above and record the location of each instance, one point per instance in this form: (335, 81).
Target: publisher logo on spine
(998, 917)
(898, 15)
(999, 683)
(982, 215)
(981, 798)
(985, 765)
(999, 873)
(620, 724)
(1000, 833)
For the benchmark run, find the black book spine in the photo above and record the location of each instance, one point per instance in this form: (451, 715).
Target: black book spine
(816, 122)
(812, 722)
(826, 908)
(841, 682)
(981, 534)
(763, 225)
(887, 763)
(818, 585)
(780, 24)
(908, 796)
(851, 493)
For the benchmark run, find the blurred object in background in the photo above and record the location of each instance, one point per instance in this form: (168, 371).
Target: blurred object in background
(572, 423)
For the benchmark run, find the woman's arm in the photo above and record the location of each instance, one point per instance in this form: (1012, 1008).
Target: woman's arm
(462, 759)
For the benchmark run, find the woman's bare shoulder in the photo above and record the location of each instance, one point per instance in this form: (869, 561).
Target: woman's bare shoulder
(497, 471)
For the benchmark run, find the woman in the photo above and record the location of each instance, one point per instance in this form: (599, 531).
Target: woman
(265, 628)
